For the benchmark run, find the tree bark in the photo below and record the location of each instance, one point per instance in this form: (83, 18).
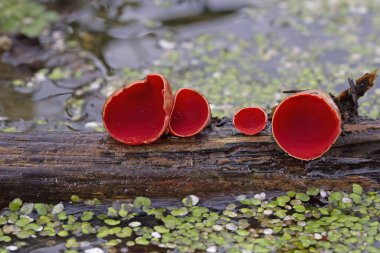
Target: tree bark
(47, 166)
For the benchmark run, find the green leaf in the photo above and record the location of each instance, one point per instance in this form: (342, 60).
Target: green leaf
(23, 221)
(122, 212)
(140, 202)
(24, 234)
(357, 189)
(312, 191)
(40, 208)
(142, 241)
(57, 209)
(161, 229)
(280, 213)
(179, 212)
(103, 232)
(111, 222)
(86, 216)
(190, 201)
(63, 233)
(15, 205)
(72, 243)
(27, 208)
(299, 208)
(62, 215)
(125, 232)
(75, 198)
(112, 212)
(303, 197)
(5, 238)
(335, 197)
(3, 220)
(282, 200)
(291, 194)
(256, 202)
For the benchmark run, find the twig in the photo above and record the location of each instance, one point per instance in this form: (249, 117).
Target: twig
(52, 96)
(292, 91)
(354, 96)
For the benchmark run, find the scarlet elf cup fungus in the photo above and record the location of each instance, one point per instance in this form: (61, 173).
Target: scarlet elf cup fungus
(191, 113)
(139, 113)
(250, 120)
(306, 124)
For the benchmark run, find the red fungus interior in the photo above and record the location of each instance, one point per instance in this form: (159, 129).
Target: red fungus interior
(305, 126)
(190, 113)
(250, 120)
(136, 114)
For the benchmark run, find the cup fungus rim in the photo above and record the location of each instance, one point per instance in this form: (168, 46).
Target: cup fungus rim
(204, 125)
(256, 108)
(167, 107)
(328, 101)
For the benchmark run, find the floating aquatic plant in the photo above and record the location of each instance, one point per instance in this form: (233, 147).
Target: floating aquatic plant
(315, 221)
(24, 16)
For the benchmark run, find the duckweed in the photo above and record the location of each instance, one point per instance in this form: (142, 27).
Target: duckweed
(40, 208)
(87, 216)
(75, 198)
(15, 205)
(112, 222)
(315, 221)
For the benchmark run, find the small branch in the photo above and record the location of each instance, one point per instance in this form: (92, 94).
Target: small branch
(354, 96)
(52, 96)
(292, 91)
(347, 100)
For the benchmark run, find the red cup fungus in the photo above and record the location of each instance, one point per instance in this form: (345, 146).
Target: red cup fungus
(139, 113)
(250, 120)
(191, 113)
(305, 125)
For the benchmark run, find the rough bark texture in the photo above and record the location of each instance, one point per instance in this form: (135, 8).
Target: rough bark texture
(40, 166)
(347, 100)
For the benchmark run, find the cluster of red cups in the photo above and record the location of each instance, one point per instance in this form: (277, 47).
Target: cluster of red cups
(305, 125)
(142, 111)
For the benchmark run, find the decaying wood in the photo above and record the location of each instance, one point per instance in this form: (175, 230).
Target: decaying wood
(347, 101)
(219, 161)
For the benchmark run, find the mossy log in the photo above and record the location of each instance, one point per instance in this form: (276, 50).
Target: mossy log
(40, 166)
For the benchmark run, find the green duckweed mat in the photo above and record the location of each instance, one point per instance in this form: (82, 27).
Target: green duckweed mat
(312, 221)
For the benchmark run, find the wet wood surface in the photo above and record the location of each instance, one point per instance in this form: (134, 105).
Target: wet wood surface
(41, 166)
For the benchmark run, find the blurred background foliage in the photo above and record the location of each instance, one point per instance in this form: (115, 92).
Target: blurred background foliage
(59, 59)
(25, 17)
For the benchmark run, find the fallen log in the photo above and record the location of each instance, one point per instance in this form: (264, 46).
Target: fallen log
(40, 166)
